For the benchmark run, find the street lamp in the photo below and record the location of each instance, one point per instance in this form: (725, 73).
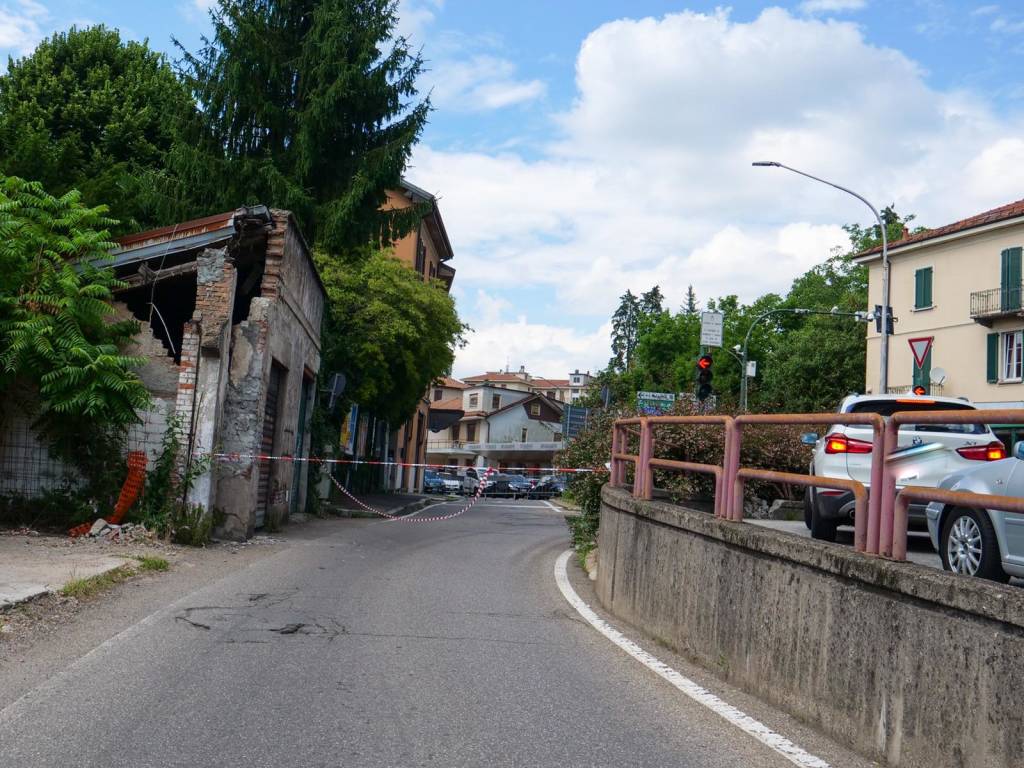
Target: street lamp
(834, 312)
(884, 363)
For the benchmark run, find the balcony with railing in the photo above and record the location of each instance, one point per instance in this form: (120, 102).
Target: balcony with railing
(995, 303)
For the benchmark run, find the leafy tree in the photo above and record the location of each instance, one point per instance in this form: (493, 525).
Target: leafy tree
(57, 339)
(55, 331)
(307, 105)
(388, 331)
(88, 111)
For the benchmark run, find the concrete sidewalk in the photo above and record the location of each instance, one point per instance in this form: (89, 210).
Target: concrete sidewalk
(33, 565)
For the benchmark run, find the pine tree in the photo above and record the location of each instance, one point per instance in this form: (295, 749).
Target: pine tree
(308, 105)
(625, 329)
(651, 302)
(690, 308)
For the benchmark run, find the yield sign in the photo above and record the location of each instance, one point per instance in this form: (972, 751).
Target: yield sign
(920, 348)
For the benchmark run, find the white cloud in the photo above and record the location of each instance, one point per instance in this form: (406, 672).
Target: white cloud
(648, 179)
(20, 29)
(414, 17)
(985, 10)
(546, 350)
(479, 83)
(832, 6)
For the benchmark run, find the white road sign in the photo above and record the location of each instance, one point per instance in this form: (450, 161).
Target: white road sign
(711, 329)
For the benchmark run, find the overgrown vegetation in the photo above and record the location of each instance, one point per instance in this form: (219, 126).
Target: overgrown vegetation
(164, 507)
(89, 587)
(152, 563)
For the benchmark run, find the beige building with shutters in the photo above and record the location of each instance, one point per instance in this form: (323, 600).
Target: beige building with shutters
(961, 286)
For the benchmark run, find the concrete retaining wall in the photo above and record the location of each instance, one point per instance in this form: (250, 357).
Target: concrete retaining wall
(904, 663)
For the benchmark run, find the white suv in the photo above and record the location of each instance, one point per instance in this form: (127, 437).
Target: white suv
(926, 454)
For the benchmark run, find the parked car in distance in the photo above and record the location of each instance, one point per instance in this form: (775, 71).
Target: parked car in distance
(547, 487)
(520, 484)
(433, 482)
(987, 543)
(926, 454)
(473, 479)
(452, 482)
(499, 485)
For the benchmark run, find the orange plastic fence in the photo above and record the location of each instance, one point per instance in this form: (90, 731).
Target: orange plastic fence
(129, 492)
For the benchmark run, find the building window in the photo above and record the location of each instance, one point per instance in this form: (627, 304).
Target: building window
(550, 393)
(575, 391)
(923, 288)
(471, 431)
(421, 254)
(575, 379)
(535, 409)
(438, 394)
(455, 432)
(522, 435)
(495, 402)
(1012, 356)
(474, 401)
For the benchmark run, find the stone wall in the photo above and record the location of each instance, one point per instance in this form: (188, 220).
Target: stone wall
(906, 664)
(283, 326)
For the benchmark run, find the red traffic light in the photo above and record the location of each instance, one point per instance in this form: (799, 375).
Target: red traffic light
(920, 390)
(704, 362)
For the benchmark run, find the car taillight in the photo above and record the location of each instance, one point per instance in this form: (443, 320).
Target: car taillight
(837, 443)
(994, 451)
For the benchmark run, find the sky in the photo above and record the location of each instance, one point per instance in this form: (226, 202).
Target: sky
(581, 148)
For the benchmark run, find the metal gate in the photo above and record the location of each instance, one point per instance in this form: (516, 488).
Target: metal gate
(267, 443)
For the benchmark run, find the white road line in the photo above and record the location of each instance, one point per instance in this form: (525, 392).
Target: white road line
(758, 730)
(551, 505)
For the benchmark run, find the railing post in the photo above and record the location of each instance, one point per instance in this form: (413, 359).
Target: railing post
(880, 539)
(641, 484)
(900, 518)
(733, 504)
(615, 477)
(862, 527)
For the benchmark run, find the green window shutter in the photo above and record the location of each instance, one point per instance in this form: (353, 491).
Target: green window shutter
(992, 358)
(1010, 279)
(923, 375)
(923, 288)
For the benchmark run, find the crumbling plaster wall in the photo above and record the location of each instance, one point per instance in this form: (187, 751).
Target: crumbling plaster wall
(283, 326)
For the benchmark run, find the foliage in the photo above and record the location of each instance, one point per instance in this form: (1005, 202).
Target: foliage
(164, 507)
(56, 334)
(307, 105)
(89, 587)
(389, 332)
(805, 362)
(591, 448)
(90, 112)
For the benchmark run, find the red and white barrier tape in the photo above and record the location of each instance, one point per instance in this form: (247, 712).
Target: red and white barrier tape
(229, 457)
(408, 519)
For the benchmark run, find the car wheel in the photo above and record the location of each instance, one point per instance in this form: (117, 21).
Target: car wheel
(968, 545)
(808, 503)
(822, 529)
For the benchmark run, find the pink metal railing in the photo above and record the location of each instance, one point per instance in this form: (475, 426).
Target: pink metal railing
(880, 517)
(866, 516)
(893, 536)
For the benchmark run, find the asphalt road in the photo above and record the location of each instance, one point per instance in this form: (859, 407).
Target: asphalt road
(373, 643)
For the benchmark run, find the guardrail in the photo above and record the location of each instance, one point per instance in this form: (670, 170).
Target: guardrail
(880, 516)
(894, 539)
(866, 507)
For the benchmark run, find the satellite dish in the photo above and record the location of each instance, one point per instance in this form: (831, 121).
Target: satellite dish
(938, 376)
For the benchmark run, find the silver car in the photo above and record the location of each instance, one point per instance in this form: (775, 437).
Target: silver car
(982, 542)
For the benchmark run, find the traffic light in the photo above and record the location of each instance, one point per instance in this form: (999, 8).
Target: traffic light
(704, 376)
(920, 389)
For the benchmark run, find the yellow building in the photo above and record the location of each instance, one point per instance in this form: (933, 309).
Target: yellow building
(426, 249)
(959, 286)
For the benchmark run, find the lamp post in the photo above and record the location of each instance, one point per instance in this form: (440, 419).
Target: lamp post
(884, 361)
(834, 312)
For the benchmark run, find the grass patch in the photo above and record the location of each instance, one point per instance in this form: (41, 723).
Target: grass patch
(83, 589)
(152, 563)
(583, 549)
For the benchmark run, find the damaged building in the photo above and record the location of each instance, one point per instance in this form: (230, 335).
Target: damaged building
(230, 309)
